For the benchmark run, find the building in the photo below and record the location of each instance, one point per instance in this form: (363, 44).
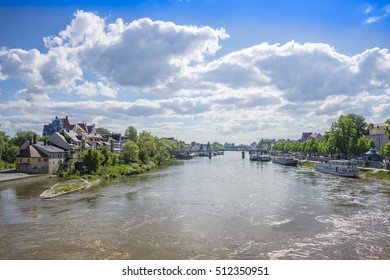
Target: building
(117, 140)
(307, 136)
(68, 141)
(39, 158)
(55, 126)
(377, 132)
(79, 135)
(59, 124)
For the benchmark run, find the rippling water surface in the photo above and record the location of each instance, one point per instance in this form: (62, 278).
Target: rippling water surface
(223, 208)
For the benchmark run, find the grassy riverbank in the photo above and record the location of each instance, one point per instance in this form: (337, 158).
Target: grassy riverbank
(6, 165)
(108, 172)
(308, 164)
(372, 173)
(375, 174)
(76, 181)
(68, 186)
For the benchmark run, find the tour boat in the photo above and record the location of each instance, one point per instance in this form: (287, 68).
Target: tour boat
(285, 160)
(344, 168)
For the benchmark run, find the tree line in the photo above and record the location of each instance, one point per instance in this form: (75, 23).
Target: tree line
(142, 151)
(346, 137)
(10, 145)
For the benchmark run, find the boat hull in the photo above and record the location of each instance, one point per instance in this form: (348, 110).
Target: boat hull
(338, 174)
(338, 170)
(286, 163)
(264, 158)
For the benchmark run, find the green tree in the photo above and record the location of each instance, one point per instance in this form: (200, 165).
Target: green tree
(323, 146)
(217, 146)
(132, 134)
(165, 151)
(147, 146)
(385, 150)
(130, 152)
(114, 159)
(387, 129)
(106, 156)
(21, 137)
(10, 154)
(312, 146)
(102, 130)
(3, 143)
(364, 145)
(280, 145)
(343, 136)
(92, 160)
(360, 124)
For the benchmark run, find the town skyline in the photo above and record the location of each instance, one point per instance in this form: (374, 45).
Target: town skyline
(195, 70)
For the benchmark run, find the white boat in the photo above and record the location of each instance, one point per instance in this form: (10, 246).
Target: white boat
(344, 168)
(264, 157)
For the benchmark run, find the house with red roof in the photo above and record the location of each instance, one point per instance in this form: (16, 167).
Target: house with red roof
(39, 158)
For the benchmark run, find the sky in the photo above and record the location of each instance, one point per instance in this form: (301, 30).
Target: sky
(197, 70)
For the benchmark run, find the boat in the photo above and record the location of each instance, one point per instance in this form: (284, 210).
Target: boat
(254, 157)
(346, 168)
(264, 157)
(285, 160)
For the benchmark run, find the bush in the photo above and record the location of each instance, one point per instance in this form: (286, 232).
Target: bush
(5, 165)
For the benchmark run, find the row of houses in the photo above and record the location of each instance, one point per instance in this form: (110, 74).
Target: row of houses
(65, 143)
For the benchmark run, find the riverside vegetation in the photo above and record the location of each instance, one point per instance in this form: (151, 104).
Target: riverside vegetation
(363, 173)
(345, 138)
(142, 152)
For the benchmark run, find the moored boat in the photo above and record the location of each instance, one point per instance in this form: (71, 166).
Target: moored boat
(264, 157)
(254, 157)
(285, 160)
(344, 168)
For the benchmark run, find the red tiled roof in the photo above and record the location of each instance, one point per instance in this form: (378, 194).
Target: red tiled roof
(66, 123)
(306, 135)
(31, 152)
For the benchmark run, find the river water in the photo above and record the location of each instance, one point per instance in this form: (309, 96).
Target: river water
(220, 208)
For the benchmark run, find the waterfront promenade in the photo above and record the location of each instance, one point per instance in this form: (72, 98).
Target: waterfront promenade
(12, 175)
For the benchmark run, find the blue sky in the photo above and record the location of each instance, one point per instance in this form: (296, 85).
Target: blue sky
(200, 70)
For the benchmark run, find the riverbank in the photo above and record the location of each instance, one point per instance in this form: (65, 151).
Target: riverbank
(74, 182)
(11, 176)
(372, 173)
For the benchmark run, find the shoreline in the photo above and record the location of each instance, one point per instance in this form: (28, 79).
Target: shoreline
(11, 177)
(364, 173)
(67, 187)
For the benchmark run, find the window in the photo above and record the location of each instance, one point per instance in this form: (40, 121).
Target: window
(28, 160)
(39, 160)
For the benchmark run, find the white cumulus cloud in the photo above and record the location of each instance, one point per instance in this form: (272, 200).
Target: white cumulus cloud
(106, 69)
(141, 54)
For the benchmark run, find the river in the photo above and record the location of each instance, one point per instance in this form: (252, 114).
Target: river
(220, 208)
